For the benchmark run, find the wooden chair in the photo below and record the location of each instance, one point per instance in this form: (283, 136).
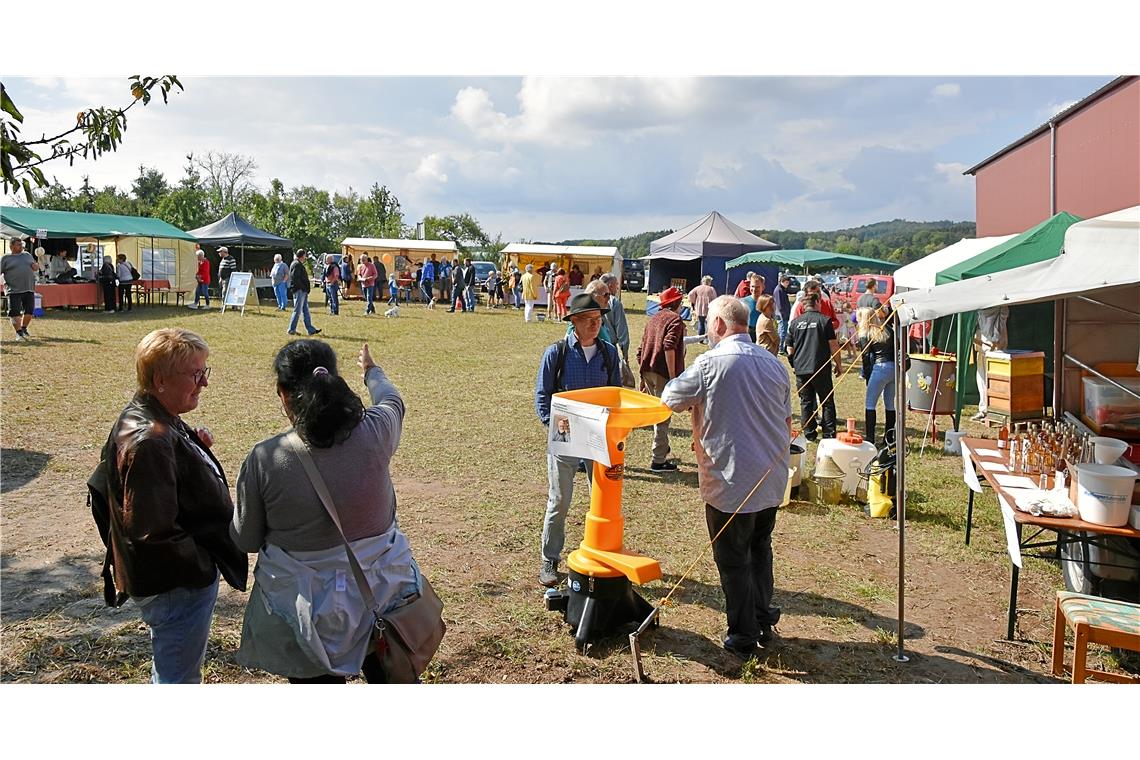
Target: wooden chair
(1094, 621)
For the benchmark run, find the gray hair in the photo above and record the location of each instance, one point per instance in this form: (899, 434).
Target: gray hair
(277, 257)
(730, 309)
(597, 286)
(707, 279)
(530, 267)
(608, 277)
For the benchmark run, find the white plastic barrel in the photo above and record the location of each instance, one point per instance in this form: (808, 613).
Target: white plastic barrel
(851, 459)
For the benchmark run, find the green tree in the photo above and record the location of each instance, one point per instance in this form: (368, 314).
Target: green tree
(461, 229)
(148, 189)
(96, 131)
(185, 205)
(381, 215)
(56, 197)
(111, 200)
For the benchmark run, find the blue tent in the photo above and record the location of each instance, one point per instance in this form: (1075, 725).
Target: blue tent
(702, 248)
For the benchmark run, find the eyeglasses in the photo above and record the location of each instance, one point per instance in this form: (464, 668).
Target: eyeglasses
(199, 375)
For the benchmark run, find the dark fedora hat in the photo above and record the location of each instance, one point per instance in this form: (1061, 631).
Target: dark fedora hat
(582, 303)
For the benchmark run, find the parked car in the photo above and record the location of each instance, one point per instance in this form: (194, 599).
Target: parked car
(633, 274)
(793, 286)
(482, 270)
(884, 289)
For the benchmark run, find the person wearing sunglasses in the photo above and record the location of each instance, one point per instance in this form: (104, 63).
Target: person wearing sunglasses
(170, 507)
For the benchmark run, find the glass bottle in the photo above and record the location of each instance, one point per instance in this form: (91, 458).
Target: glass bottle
(1003, 437)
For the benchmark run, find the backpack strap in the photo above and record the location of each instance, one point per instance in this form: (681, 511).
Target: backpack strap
(560, 364)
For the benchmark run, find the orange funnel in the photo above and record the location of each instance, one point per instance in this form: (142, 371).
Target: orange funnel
(601, 554)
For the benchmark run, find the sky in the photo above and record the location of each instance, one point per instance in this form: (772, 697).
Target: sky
(553, 158)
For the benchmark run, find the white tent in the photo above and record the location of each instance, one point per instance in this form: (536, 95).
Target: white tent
(921, 273)
(1099, 253)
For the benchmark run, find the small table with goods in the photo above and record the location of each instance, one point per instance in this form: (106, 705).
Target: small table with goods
(1025, 532)
(79, 294)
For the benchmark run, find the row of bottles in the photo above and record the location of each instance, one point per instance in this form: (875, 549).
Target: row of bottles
(1045, 450)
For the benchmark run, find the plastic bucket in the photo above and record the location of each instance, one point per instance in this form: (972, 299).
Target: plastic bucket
(1104, 493)
(1108, 450)
(953, 442)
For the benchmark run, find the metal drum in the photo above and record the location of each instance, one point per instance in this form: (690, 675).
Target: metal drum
(931, 383)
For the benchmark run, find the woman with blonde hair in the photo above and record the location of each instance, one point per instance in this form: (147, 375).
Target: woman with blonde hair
(767, 332)
(877, 341)
(169, 507)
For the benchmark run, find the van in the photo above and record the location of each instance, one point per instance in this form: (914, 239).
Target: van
(633, 274)
(853, 288)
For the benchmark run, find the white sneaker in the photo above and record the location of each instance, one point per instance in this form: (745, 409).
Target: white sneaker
(191, 306)
(979, 416)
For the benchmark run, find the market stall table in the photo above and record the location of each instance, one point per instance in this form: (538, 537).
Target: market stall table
(80, 294)
(992, 462)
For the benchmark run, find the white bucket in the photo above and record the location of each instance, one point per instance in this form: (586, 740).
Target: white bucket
(850, 458)
(953, 442)
(1108, 450)
(1104, 493)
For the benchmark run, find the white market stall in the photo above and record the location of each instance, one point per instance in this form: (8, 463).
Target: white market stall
(396, 254)
(921, 273)
(1096, 284)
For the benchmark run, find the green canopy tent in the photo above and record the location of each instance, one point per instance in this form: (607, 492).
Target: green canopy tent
(806, 259)
(1029, 324)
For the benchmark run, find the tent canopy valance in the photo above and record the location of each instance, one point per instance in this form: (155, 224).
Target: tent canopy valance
(809, 259)
(922, 273)
(73, 224)
(233, 230)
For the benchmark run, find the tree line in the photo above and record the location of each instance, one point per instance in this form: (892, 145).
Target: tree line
(214, 184)
(899, 241)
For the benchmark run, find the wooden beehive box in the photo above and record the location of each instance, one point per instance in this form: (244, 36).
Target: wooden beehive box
(1015, 383)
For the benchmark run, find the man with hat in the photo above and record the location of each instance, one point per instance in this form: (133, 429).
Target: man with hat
(226, 266)
(579, 361)
(661, 358)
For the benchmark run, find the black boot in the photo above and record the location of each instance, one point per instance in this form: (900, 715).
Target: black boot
(890, 422)
(869, 425)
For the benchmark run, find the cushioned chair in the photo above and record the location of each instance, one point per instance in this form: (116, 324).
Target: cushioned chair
(1096, 621)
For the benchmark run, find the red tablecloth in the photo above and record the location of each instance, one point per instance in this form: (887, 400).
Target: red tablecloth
(84, 294)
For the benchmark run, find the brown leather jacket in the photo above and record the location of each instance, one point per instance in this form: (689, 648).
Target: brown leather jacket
(170, 510)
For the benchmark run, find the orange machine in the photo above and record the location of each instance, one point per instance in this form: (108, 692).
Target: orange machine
(600, 598)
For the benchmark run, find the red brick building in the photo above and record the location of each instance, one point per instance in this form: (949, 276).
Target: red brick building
(1085, 160)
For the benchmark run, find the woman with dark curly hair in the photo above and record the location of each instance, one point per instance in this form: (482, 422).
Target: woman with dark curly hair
(306, 619)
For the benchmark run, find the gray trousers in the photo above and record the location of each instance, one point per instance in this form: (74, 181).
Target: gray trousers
(560, 472)
(655, 384)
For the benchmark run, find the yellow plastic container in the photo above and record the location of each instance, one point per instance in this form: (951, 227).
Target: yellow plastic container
(601, 554)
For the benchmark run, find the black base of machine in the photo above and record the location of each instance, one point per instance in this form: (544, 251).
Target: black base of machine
(597, 607)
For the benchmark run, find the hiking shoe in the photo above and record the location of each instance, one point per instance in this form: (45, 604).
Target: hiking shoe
(739, 648)
(765, 634)
(291, 332)
(314, 332)
(20, 337)
(663, 466)
(548, 575)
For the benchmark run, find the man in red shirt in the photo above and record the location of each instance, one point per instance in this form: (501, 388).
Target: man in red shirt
(744, 287)
(825, 307)
(203, 278)
(661, 358)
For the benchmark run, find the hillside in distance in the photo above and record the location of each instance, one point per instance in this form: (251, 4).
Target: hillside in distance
(898, 240)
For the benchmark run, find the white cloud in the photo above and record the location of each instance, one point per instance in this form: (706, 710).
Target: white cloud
(1053, 109)
(947, 90)
(714, 173)
(431, 169)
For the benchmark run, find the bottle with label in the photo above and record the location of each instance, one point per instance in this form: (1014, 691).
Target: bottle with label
(1003, 436)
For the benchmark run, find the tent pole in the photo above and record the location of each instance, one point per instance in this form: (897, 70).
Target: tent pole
(900, 475)
(152, 261)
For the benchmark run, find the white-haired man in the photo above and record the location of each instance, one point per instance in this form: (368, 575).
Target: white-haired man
(699, 298)
(279, 276)
(740, 398)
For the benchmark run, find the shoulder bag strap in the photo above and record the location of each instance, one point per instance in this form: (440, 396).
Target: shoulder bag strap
(310, 466)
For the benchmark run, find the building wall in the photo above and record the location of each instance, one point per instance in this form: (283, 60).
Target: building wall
(1097, 169)
(1098, 155)
(1012, 193)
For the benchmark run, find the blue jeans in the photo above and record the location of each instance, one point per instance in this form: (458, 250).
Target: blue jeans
(702, 325)
(332, 295)
(469, 298)
(301, 308)
(200, 292)
(782, 328)
(560, 472)
(393, 294)
(179, 622)
(369, 291)
(425, 288)
(281, 291)
(518, 298)
(882, 383)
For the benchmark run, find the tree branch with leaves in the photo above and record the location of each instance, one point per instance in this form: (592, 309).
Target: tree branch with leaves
(96, 131)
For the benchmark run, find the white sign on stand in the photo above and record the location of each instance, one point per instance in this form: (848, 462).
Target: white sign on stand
(578, 430)
(238, 290)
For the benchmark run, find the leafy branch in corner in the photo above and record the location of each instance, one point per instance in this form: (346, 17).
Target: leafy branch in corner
(96, 131)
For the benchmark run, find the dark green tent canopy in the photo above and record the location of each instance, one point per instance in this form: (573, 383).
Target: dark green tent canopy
(807, 258)
(73, 224)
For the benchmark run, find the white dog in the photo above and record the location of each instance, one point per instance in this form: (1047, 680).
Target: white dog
(431, 303)
(393, 312)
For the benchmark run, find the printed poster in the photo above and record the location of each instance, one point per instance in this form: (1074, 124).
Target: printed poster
(578, 430)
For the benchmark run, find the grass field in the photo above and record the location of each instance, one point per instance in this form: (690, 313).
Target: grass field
(471, 483)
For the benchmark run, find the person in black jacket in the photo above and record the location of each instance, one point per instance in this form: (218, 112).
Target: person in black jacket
(878, 340)
(107, 281)
(227, 265)
(811, 345)
(469, 294)
(300, 285)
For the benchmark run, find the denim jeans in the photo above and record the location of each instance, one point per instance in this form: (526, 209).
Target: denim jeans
(332, 297)
(882, 383)
(200, 292)
(301, 308)
(281, 291)
(743, 556)
(702, 324)
(518, 297)
(393, 294)
(782, 328)
(560, 474)
(469, 298)
(179, 622)
(369, 292)
(425, 289)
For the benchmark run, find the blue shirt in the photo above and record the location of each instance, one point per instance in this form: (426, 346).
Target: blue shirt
(428, 272)
(445, 270)
(740, 397)
(753, 315)
(576, 373)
